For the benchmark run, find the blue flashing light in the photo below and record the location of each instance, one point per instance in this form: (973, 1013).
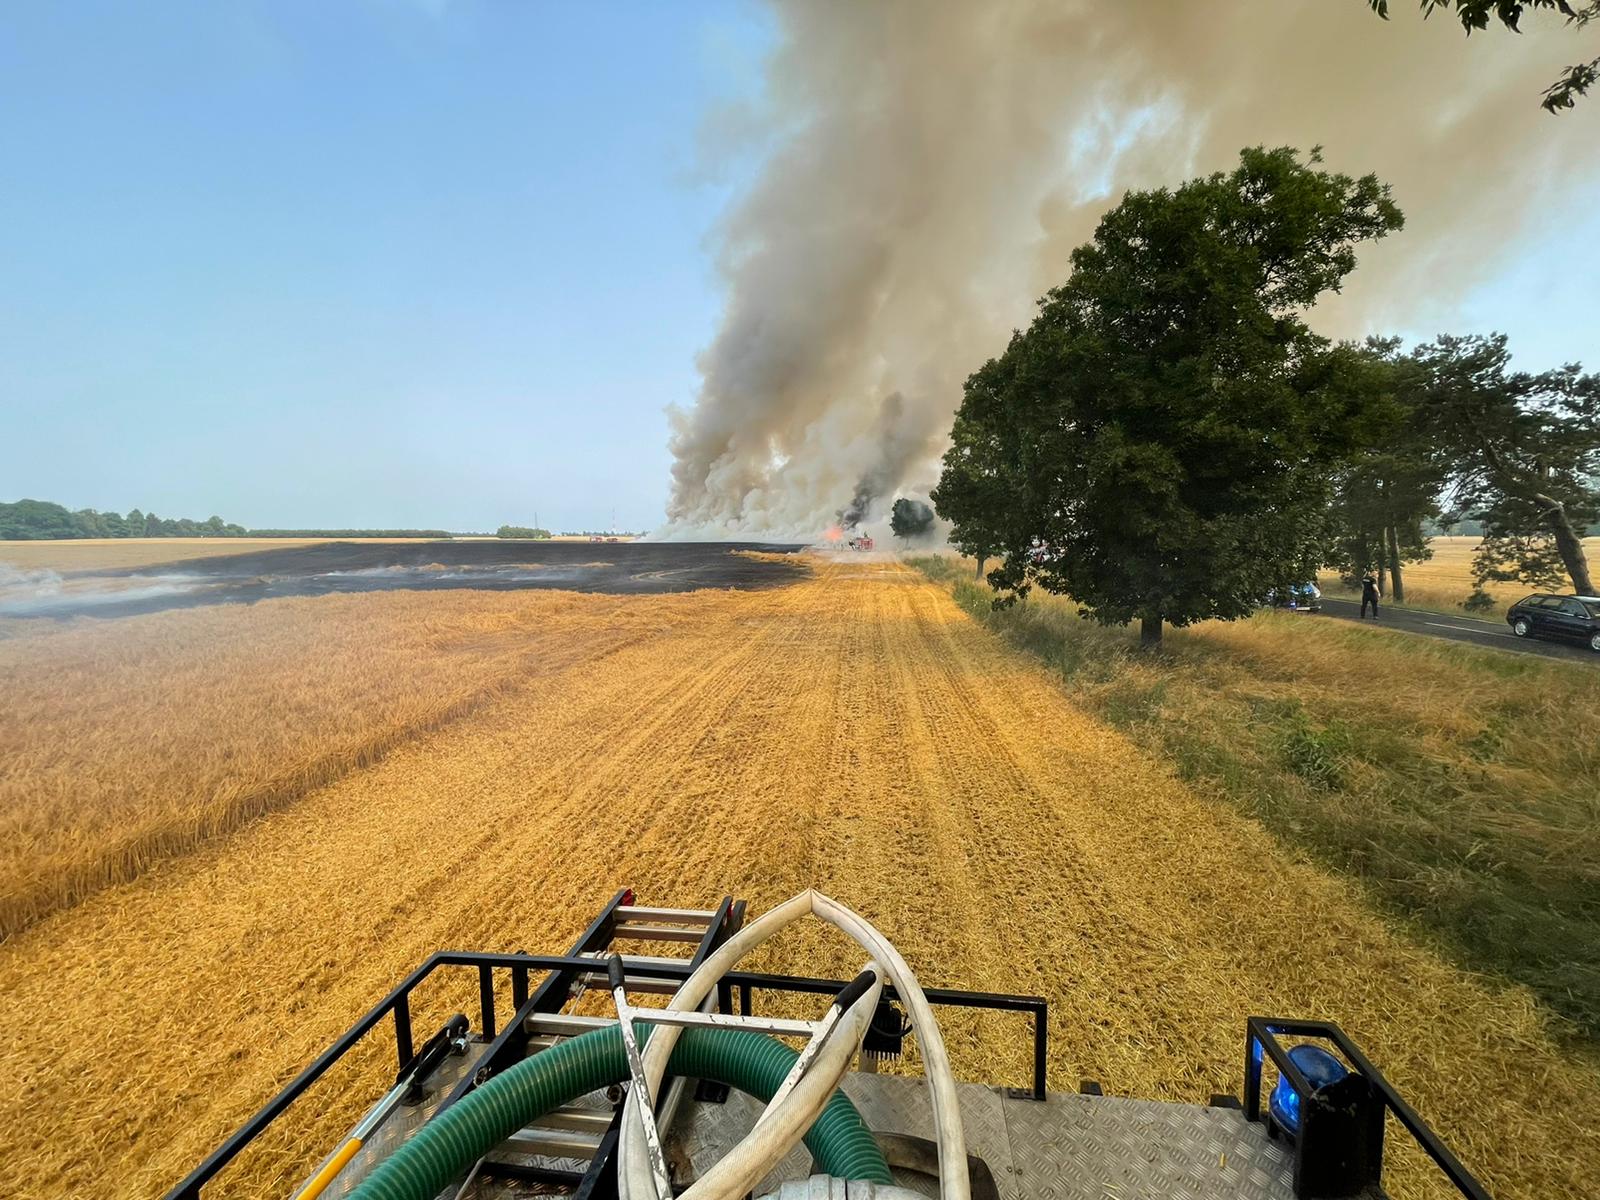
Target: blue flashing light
(1320, 1069)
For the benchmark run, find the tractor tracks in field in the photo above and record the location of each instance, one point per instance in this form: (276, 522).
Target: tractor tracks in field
(855, 732)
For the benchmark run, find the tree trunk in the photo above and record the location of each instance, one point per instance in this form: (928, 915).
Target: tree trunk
(1570, 546)
(1150, 633)
(981, 560)
(1391, 537)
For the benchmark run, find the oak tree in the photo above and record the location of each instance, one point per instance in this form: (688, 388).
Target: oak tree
(1158, 443)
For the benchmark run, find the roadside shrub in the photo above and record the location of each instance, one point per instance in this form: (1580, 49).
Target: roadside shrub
(1317, 754)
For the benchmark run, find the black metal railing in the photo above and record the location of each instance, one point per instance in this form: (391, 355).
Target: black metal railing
(562, 972)
(1367, 1125)
(1039, 1008)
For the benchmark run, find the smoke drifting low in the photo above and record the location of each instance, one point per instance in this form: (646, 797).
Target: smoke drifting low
(935, 162)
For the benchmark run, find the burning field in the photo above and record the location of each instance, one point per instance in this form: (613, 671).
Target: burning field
(133, 584)
(483, 769)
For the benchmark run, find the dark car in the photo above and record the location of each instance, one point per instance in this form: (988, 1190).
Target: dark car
(1560, 618)
(1301, 597)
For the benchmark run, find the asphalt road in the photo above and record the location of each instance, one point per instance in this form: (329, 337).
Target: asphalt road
(1495, 634)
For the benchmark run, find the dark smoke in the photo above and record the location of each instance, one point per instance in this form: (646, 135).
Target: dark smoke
(897, 445)
(937, 160)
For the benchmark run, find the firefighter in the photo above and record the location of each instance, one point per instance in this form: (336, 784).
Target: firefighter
(1369, 595)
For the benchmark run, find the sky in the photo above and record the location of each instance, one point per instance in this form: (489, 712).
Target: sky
(377, 263)
(414, 263)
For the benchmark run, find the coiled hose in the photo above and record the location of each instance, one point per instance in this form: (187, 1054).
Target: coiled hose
(442, 1149)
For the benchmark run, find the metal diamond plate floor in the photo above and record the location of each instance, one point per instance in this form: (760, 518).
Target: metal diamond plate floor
(1067, 1147)
(1064, 1148)
(401, 1124)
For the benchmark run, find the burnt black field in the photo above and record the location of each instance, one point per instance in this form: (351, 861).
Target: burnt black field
(613, 568)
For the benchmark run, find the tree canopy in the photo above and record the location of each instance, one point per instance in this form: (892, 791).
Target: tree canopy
(1575, 81)
(39, 520)
(1526, 453)
(910, 518)
(1158, 443)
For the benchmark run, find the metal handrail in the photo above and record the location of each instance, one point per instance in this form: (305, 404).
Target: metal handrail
(397, 1002)
(1260, 1036)
(562, 971)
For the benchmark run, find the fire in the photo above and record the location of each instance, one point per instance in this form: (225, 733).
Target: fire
(832, 534)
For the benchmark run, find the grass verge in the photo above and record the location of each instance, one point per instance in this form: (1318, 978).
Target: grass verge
(1461, 786)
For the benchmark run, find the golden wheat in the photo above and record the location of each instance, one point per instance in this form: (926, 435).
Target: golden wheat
(855, 732)
(126, 742)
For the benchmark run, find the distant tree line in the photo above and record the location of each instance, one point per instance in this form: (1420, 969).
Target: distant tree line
(1170, 442)
(41, 520)
(522, 531)
(350, 534)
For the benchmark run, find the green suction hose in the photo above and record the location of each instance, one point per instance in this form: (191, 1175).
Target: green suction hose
(446, 1146)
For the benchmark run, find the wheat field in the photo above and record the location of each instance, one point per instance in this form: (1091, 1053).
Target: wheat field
(130, 741)
(856, 732)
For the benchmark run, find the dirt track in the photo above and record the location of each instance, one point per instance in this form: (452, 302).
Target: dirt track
(855, 732)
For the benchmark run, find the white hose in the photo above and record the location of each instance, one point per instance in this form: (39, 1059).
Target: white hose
(748, 1163)
(769, 1143)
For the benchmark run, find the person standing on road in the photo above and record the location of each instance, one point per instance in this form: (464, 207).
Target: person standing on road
(1369, 595)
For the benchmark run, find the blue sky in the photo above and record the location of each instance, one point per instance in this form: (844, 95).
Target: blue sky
(385, 263)
(402, 262)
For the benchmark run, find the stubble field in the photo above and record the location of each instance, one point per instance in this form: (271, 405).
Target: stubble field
(856, 732)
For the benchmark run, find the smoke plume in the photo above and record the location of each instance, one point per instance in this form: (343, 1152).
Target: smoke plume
(898, 444)
(934, 162)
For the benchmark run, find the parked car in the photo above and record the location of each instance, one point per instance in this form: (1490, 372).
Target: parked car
(1559, 618)
(1303, 597)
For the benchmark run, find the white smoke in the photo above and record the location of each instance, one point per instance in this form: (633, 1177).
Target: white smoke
(17, 582)
(937, 160)
(26, 592)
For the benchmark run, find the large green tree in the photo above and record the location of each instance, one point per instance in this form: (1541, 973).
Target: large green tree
(1575, 81)
(1527, 456)
(1159, 443)
(980, 488)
